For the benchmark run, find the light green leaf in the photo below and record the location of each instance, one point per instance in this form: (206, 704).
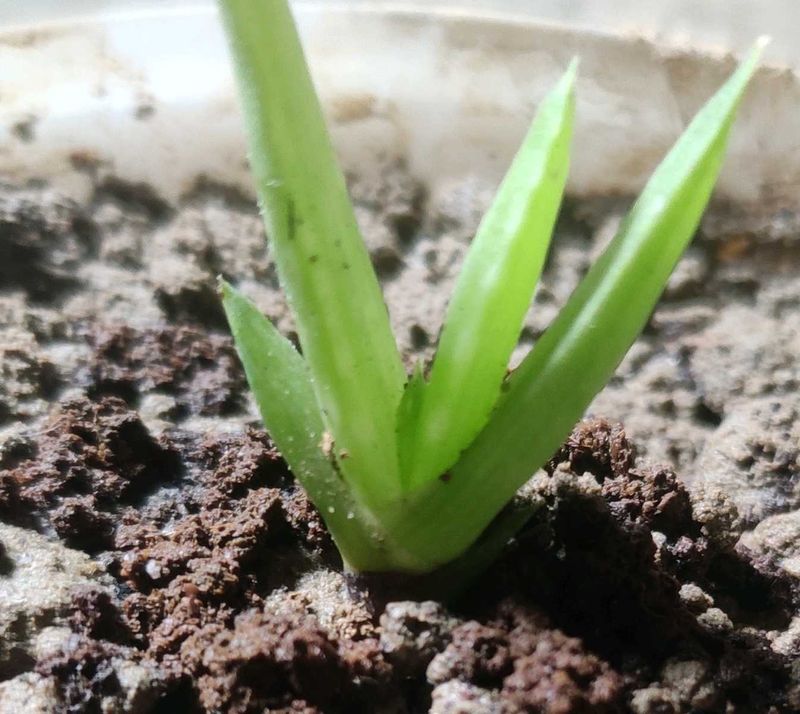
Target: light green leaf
(322, 261)
(408, 410)
(281, 385)
(491, 297)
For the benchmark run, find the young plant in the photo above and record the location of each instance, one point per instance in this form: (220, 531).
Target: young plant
(408, 472)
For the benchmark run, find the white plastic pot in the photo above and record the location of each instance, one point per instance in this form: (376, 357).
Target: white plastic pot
(147, 94)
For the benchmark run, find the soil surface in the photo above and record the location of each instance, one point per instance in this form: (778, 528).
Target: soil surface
(157, 556)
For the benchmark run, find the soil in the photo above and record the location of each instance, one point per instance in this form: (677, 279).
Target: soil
(156, 554)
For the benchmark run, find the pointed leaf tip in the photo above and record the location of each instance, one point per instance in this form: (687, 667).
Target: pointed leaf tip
(572, 68)
(223, 287)
(762, 41)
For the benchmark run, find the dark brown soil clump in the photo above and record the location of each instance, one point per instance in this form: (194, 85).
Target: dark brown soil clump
(200, 371)
(90, 460)
(43, 243)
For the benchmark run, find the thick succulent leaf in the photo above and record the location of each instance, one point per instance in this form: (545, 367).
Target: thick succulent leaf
(578, 353)
(491, 297)
(281, 385)
(322, 261)
(280, 382)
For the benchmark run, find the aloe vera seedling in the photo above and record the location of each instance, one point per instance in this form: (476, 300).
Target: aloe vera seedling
(409, 471)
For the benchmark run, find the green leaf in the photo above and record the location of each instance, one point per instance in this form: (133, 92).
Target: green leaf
(579, 352)
(281, 385)
(491, 297)
(410, 403)
(322, 261)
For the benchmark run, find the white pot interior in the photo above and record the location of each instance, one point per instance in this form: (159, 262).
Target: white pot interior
(148, 95)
